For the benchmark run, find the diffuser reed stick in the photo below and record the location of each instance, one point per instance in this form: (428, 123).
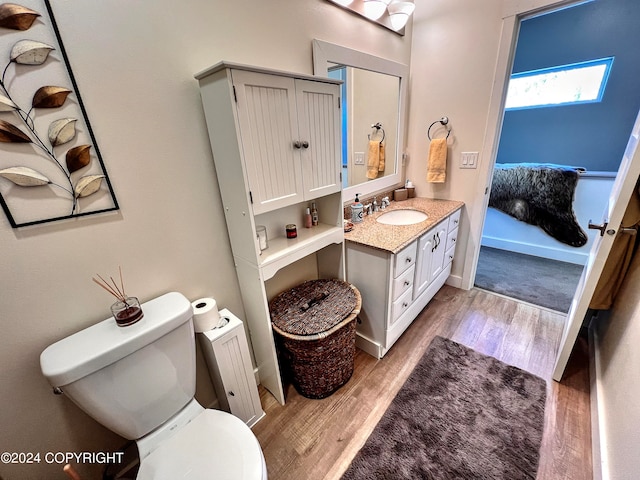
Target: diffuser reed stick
(119, 293)
(126, 310)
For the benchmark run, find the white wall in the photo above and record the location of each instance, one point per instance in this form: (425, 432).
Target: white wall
(453, 61)
(618, 381)
(134, 63)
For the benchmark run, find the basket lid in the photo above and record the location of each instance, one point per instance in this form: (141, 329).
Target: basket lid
(313, 307)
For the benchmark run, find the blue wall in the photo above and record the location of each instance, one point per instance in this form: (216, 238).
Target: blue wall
(592, 135)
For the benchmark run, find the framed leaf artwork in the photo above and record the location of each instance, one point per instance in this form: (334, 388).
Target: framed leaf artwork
(50, 165)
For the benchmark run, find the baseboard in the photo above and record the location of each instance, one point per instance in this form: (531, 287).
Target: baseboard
(536, 250)
(454, 281)
(597, 442)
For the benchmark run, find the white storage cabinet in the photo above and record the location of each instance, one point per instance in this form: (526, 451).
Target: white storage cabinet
(227, 354)
(395, 288)
(275, 138)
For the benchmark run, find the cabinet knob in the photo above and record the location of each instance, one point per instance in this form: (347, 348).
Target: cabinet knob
(406, 284)
(297, 144)
(408, 260)
(305, 144)
(405, 305)
(231, 394)
(453, 239)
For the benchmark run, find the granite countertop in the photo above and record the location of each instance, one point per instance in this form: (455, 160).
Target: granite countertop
(394, 238)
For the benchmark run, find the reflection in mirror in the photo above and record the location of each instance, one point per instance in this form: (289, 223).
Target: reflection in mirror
(369, 123)
(374, 90)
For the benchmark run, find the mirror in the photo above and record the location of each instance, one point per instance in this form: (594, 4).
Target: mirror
(375, 92)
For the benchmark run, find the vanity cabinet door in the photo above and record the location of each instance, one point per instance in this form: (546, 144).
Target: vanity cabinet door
(439, 249)
(430, 261)
(268, 121)
(290, 136)
(319, 122)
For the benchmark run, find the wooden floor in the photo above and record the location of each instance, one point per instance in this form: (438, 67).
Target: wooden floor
(317, 439)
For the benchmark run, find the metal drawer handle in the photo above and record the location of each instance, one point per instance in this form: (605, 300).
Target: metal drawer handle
(405, 305)
(231, 394)
(408, 260)
(406, 284)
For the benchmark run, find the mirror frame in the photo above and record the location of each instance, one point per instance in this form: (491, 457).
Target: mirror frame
(327, 54)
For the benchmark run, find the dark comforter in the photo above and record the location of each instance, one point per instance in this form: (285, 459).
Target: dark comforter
(539, 194)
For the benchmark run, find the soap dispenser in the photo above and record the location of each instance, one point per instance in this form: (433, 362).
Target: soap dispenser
(357, 210)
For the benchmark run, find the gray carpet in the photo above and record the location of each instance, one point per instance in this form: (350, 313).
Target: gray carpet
(548, 283)
(460, 415)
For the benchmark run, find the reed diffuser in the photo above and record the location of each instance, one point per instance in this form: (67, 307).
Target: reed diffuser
(126, 311)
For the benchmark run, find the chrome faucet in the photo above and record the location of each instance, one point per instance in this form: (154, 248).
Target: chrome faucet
(385, 203)
(375, 205)
(368, 209)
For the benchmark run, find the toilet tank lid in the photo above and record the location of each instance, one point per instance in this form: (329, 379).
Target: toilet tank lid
(104, 343)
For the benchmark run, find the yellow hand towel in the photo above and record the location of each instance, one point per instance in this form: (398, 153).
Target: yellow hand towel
(381, 161)
(437, 162)
(373, 160)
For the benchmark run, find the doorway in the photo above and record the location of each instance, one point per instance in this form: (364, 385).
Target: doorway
(569, 135)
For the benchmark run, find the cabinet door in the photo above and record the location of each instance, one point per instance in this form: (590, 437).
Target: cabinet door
(268, 123)
(439, 249)
(423, 263)
(319, 137)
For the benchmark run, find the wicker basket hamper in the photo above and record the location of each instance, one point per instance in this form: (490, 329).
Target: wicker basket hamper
(315, 326)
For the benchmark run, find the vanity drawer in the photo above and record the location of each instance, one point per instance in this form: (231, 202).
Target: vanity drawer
(400, 306)
(403, 283)
(451, 239)
(404, 259)
(454, 220)
(448, 255)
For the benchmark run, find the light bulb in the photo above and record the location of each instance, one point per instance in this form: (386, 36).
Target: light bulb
(399, 13)
(374, 9)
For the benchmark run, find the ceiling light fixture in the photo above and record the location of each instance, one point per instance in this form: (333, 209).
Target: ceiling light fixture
(399, 13)
(391, 14)
(374, 9)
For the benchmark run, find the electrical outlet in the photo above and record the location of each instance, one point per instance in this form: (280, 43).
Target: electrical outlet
(358, 158)
(469, 160)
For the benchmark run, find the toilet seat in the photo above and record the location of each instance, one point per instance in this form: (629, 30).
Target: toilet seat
(214, 445)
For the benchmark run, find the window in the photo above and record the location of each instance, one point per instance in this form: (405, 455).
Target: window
(564, 85)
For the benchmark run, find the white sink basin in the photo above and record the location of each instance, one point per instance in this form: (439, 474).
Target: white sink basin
(402, 217)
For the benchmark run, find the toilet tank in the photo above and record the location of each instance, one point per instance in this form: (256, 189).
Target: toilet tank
(130, 379)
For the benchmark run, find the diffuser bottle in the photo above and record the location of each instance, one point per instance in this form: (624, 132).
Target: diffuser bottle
(314, 214)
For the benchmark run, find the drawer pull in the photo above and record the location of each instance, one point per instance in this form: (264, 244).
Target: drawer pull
(455, 221)
(405, 305)
(408, 260)
(450, 257)
(231, 394)
(453, 239)
(406, 283)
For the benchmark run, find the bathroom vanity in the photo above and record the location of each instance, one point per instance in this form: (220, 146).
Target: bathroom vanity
(399, 268)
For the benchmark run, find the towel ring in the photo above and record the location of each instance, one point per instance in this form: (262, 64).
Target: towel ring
(378, 127)
(443, 121)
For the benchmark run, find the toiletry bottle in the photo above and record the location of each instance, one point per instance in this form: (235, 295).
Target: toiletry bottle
(307, 219)
(314, 214)
(357, 210)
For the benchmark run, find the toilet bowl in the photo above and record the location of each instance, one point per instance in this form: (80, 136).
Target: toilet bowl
(139, 381)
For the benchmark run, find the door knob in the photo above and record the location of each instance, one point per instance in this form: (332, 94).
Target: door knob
(602, 227)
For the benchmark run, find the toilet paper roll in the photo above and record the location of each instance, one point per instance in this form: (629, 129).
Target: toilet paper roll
(205, 314)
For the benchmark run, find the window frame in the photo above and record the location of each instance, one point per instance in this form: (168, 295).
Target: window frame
(606, 61)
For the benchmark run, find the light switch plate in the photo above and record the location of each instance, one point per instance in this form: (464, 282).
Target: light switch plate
(469, 160)
(358, 158)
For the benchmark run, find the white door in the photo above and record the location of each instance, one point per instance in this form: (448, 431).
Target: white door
(619, 198)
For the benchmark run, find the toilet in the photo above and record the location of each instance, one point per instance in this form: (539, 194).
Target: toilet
(139, 381)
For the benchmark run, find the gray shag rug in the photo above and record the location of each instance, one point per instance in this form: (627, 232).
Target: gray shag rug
(540, 281)
(460, 415)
